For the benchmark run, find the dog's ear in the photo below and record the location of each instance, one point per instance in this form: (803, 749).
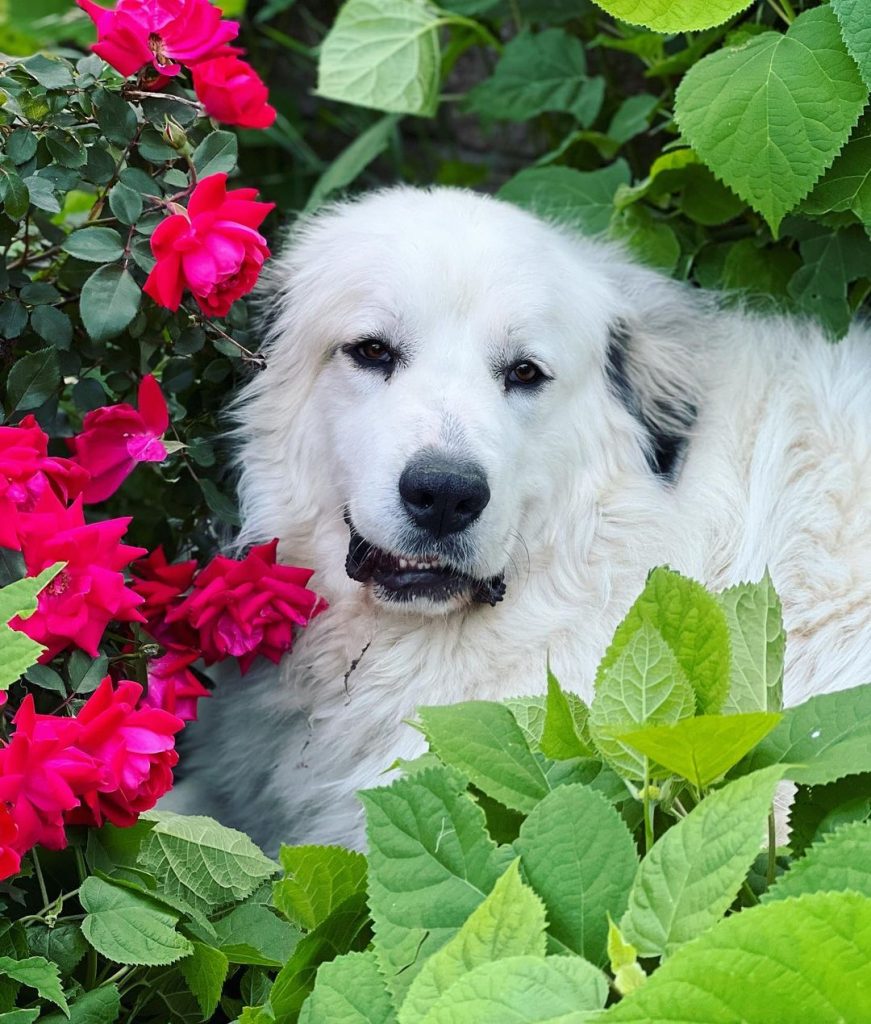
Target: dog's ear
(652, 366)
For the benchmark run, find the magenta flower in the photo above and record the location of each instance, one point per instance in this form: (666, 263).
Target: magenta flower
(172, 686)
(165, 33)
(233, 92)
(117, 437)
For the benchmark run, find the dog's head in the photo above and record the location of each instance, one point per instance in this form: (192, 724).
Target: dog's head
(444, 372)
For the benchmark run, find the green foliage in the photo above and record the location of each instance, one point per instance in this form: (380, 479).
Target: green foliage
(758, 639)
(671, 16)
(17, 651)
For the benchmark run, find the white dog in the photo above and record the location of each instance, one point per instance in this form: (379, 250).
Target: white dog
(482, 431)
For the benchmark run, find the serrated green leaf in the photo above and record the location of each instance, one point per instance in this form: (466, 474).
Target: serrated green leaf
(52, 325)
(579, 856)
(822, 740)
(674, 15)
(63, 944)
(205, 971)
(128, 928)
(529, 713)
(108, 302)
(692, 624)
(693, 872)
(509, 923)
(51, 72)
(349, 990)
(99, 1006)
(39, 973)
(216, 154)
(116, 117)
(383, 54)
(841, 861)
(582, 199)
(97, 245)
(536, 73)
(808, 959)
(431, 863)
(846, 185)
(856, 32)
(565, 733)
(818, 810)
(17, 651)
(832, 259)
(206, 864)
(768, 118)
(33, 380)
(319, 878)
(23, 1016)
(758, 640)
(523, 990)
(643, 685)
(483, 740)
(704, 748)
(252, 934)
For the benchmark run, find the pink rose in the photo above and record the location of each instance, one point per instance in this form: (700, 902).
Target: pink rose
(233, 92)
(10, 857)
(42, 774)
(135, 750)
(212, 248)
(160, 583)
(164, 33)
(171, 684)
(89, 591)
(117, 437)
(248, 607)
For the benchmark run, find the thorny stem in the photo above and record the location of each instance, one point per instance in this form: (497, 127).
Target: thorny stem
(247, 355)
(138, 94)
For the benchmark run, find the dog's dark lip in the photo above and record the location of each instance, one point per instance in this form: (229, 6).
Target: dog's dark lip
(407, 579)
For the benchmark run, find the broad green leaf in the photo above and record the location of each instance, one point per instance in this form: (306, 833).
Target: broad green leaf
(383, 54)
(631, 117)
(704, 748)
(649, 238)
(125, 203)
(523, 990)
(510, 922)
(770, 115)
(832, 259)
(793, 960)
(253, 934)
(216, 154)
(856, 31)
(579, 856)
(51, 72)
(349, 990)
(205, 971)
(623, 959)
(23, 1016)
(345, 930)
(319, 878)
(755, 621)
(206, 864)
(17, 651)
(353, 160)
(825, 738)
(483, 740)
(818, 810)
(33, 379)
(431, 863)
(581, 199)
(565, 733)
(846, 185)
(535, 73)
(52, 325)
(128, 928)
(98, 245)
(693, 872)
(39, 973)
(674, 15)
(694, 627)
(15, 194)
(109, 301)
(116, 117)
(644, 685)
(99, 1006)
(841, 861)
(63, 944)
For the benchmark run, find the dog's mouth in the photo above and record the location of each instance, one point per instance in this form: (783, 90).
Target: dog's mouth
(397, 578)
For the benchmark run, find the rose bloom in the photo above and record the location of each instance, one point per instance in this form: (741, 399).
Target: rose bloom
(248, 607)
(135, 750)
(233, 92)
(42, 774)
(164, 33)
(117, 437)
(171, 684)
(213, 248)
(90, 590)
(160, 583)
(10, 858)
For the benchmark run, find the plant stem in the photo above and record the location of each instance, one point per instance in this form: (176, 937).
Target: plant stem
(648, 820)
(41, 880)
(772, 848)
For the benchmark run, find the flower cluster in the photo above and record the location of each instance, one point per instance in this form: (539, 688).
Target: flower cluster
(170, 34)
(113, 757)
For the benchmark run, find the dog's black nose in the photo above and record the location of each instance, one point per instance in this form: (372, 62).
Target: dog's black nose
(443, 496)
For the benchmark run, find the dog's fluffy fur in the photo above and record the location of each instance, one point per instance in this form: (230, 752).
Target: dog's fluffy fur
(674, 431)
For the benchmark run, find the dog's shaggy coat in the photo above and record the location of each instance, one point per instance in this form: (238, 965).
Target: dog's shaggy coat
(666, 429)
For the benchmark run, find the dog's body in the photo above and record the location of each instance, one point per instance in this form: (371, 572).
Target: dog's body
(660, 430)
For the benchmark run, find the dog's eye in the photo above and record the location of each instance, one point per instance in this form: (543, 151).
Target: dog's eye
(372, 353)
(524, 375)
